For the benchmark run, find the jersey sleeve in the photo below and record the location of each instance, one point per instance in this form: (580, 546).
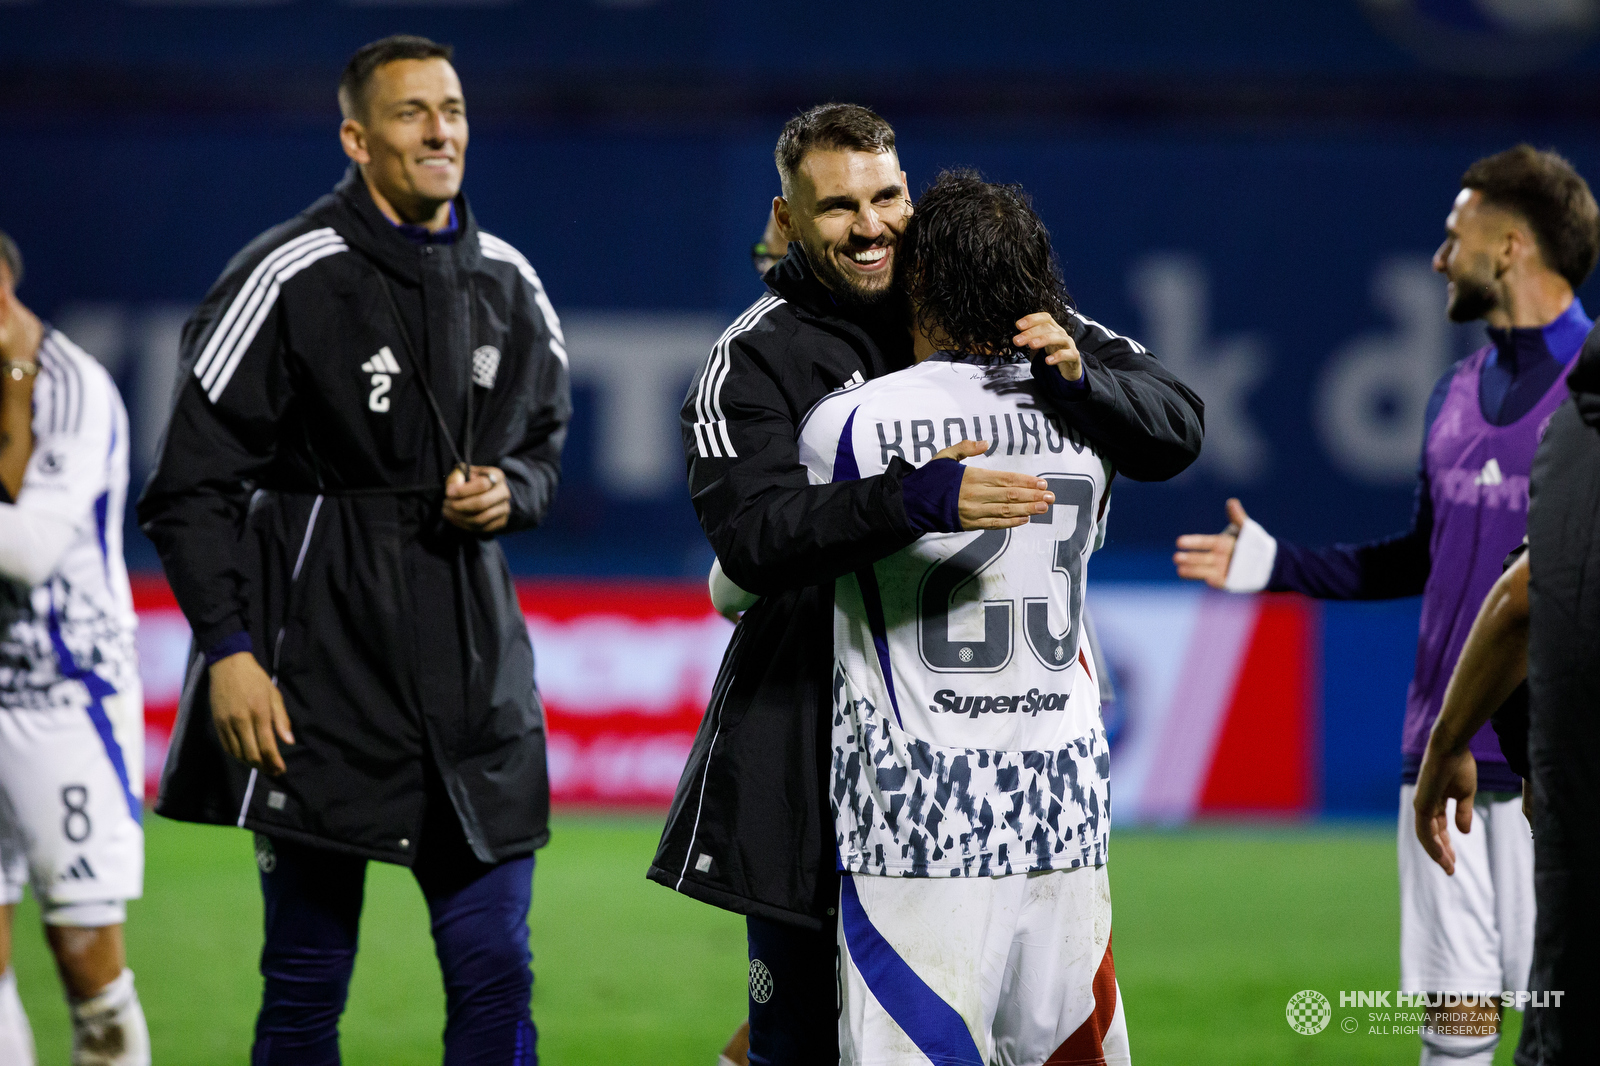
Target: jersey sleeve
(231, 395)
(533, 466)
(74, 429)
(1136, 411)
(771, 526)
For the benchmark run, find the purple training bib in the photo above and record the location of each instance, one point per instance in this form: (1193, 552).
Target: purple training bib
(1478, 480)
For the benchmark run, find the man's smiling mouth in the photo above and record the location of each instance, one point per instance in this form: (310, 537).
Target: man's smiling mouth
(870, 255)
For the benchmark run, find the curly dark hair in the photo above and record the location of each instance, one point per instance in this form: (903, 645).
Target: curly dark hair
(976, 258)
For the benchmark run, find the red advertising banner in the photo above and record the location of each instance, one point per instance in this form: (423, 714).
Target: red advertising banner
(625, 670)
(1217, 708)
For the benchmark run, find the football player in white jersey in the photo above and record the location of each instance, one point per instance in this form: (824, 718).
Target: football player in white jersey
(71, 709)
(970, 764)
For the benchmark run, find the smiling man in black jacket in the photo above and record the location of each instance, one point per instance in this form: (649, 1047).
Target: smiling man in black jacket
(363, 683)
(750, 828)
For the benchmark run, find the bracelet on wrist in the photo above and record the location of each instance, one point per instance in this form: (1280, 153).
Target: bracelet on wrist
(16, 369)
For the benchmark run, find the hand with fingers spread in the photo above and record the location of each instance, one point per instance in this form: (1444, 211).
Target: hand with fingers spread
(1444, 776)
(996, 499)
(248, 712)
(1207, 556)
(479, 504)
(1040, 330)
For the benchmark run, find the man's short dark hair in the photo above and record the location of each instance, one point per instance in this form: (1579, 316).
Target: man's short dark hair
(11, 256)
(830, 126)
(977, 258)
(369, 57)
(1551, 197)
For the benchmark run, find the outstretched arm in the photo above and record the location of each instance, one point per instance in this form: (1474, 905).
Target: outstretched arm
(1493, 663)
(1246, 558)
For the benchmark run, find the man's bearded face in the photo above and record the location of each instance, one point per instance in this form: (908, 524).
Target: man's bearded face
(848, 209)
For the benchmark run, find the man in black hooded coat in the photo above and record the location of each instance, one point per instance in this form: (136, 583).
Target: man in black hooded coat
(369, 393)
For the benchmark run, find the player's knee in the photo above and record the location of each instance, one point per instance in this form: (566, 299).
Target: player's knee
(305, 964)
(1460, 1036)
(86, 940)
(1472, 1018)
(490, 970)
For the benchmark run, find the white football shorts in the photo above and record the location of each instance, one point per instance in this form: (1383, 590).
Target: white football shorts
(71, 807)
(974, 971)
(1471, 932)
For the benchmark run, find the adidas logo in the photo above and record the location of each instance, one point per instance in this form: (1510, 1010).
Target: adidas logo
(1490, 474)
(381, 366)
(385, 363)
(80, 870)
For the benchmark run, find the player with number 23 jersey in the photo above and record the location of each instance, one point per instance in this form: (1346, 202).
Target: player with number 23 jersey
(967, 737)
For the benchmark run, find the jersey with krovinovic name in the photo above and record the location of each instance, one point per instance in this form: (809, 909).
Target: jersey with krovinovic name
(966, 735)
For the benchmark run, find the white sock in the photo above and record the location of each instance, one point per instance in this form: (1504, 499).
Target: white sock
(108, 1028)
(16, 1038)
(1439, 1049)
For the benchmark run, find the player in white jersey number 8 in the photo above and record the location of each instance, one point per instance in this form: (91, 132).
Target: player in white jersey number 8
(71, 714)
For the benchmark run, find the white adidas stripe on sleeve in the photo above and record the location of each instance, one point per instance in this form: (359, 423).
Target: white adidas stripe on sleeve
(239, 324)
(1109, 334)
(493, 247)
(711, 428)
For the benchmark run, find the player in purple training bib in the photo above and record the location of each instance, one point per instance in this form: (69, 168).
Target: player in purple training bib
(1521, 237)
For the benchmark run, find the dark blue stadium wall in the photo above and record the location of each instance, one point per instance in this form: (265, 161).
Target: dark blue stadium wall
(1285, 275)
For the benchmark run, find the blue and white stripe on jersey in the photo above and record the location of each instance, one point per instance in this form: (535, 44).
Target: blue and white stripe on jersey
(494, 248)
(711, 425)
(231, 338)
(62, 397)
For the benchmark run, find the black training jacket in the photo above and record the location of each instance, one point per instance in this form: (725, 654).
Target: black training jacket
(297, 499)
(1564, 718)
(750, 828)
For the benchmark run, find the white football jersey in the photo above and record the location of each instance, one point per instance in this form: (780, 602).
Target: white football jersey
(966, 734)
(65, 640)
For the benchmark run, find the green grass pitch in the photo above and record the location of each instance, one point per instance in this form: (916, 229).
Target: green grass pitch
(1215, 929)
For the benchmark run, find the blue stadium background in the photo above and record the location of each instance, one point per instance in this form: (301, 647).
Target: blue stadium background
(1252, 188)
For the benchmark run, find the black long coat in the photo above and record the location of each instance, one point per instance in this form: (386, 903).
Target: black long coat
(297, 500)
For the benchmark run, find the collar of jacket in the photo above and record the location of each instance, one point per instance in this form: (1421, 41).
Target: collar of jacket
(377, 238)
(793, 279)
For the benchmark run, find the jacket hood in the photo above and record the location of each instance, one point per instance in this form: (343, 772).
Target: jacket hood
(372, 233)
